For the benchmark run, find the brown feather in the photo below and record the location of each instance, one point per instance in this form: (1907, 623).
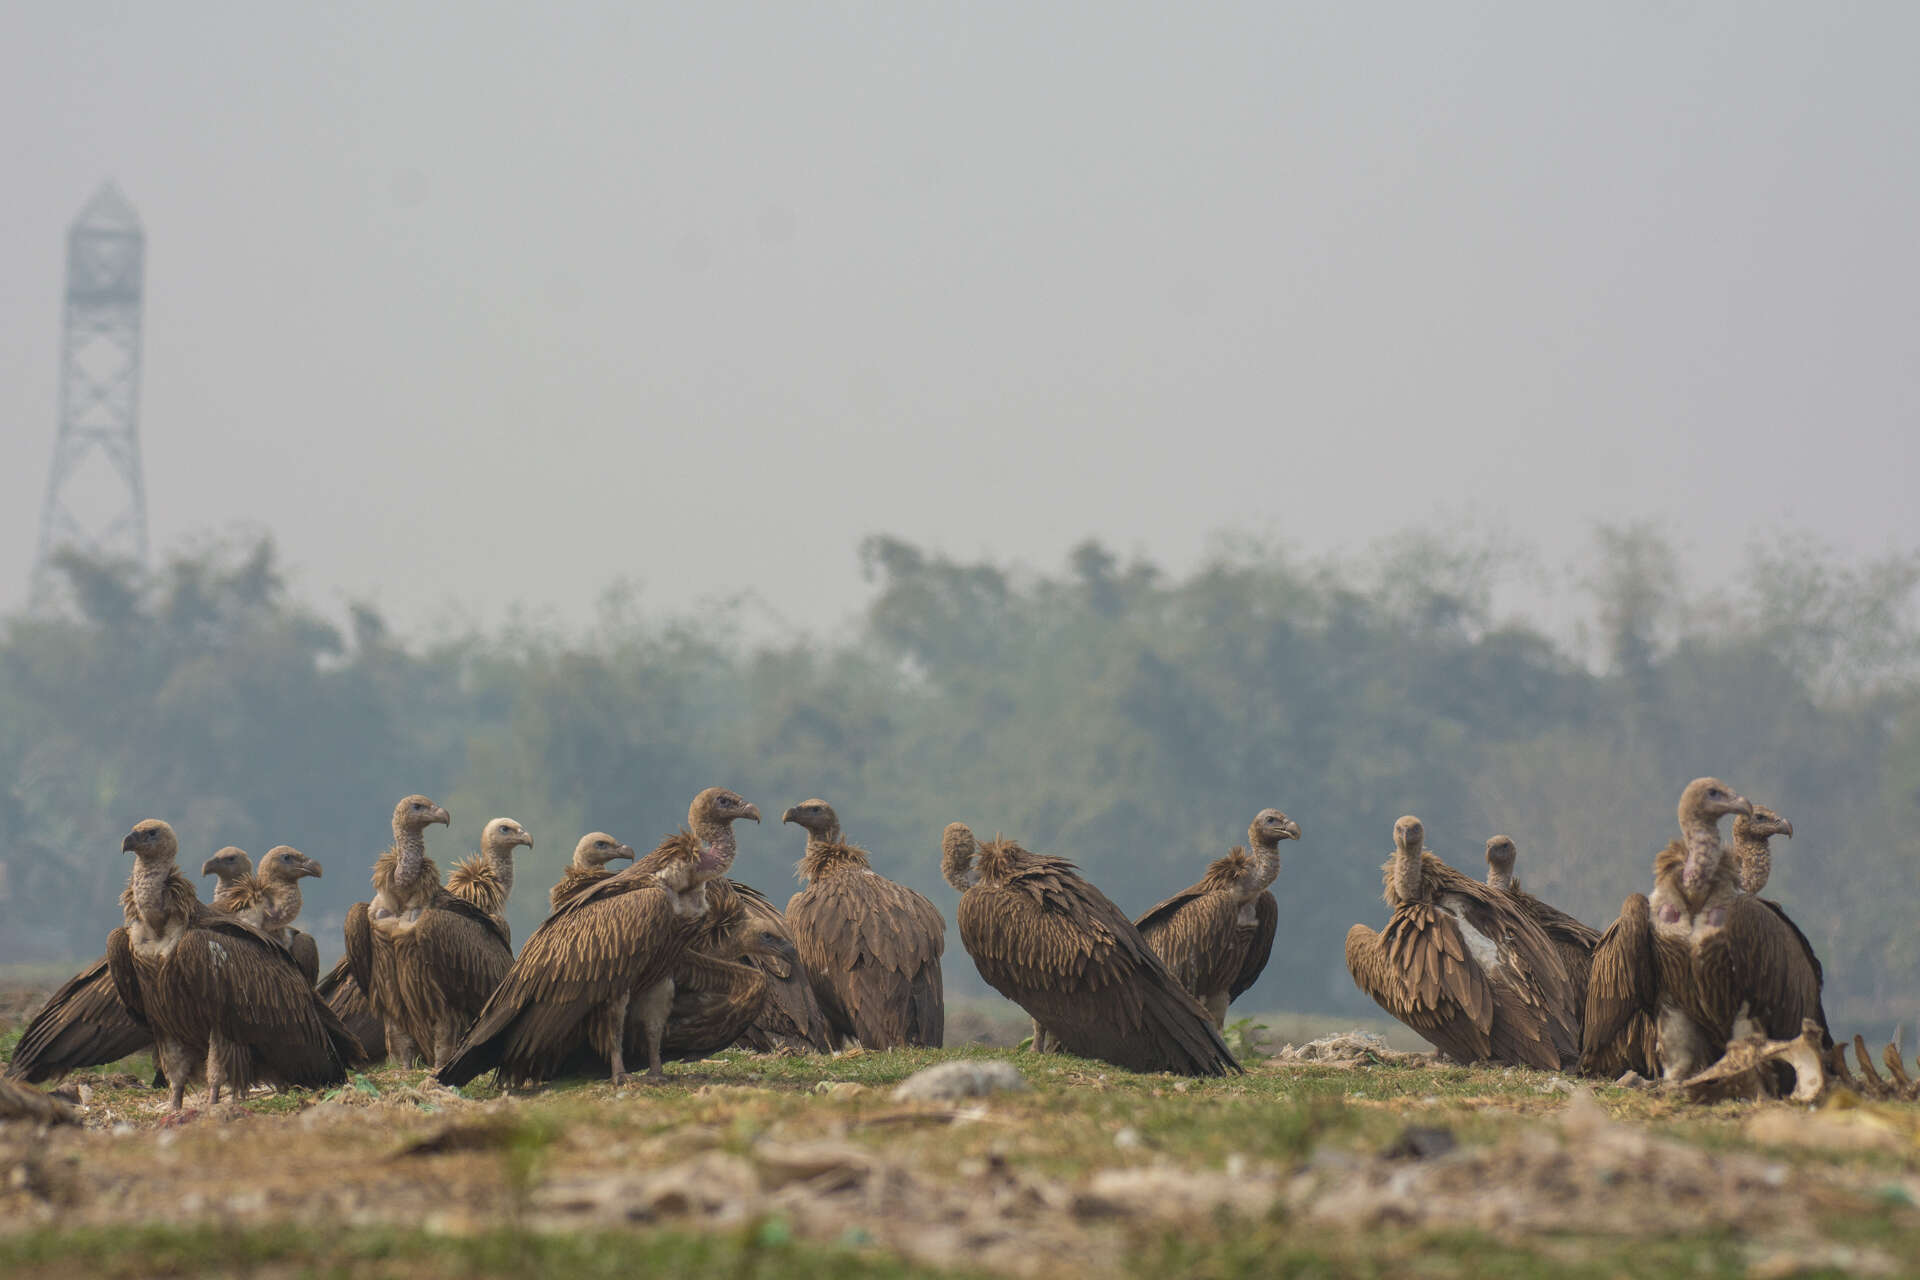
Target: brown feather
(871, 948)
(1045, 938)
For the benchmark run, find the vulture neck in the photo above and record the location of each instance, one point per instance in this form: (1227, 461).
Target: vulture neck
(1501, 878)
(1702, 840)
(1406, 874)
(500, 861)
(1752, 861)
(149, 885)
(283, 904)
(956, 864)
(1266, 864)
(718, 837)
(411, 841)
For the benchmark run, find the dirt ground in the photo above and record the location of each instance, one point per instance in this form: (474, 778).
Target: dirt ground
(1375, 1162)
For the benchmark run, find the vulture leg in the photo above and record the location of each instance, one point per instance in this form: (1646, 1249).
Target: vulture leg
(216, 1071)
(609, 1034)
(177, 1062)
(1684, 1047)
(1042, 1043)
(1216, 1006)
(655, 1004)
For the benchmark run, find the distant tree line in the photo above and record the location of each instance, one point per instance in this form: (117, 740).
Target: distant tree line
(1106, 711)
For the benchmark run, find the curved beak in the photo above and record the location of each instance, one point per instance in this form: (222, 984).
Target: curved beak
(625, 851)
(442, 817)
(788, 815)
(206, 868)
(751, 811)
(1292, 829)
(1742, 805)
(1786, 827)
(126, 845)
(312, 868)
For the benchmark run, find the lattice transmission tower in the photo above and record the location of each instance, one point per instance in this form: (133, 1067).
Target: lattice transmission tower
(96, 497)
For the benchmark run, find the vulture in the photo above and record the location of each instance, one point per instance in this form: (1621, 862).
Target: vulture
(1463, 966)
(606, 957)
(1060, 949)
(790, 1016)
(1215, 935)
(427, 958)
(486, 878)
(871, 947)
(1697, 955)
(268, 899)
(588, 868)
(1573, 940)
(715, 1000)
(1753, 860)
(225, 1003)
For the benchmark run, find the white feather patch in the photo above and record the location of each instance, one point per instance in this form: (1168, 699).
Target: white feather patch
(1482, 948)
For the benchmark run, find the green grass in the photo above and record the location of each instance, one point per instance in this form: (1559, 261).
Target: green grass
(1079, 1118)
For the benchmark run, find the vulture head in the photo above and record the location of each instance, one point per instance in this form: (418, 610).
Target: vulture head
(1410, 835)
(1707, 800)
(596, 849)
(957, 848)
(1702, 805)
(1500, 856)
(229, 864)
(816, 817)
(502, 836)
(1270, 827)
(417, 813)
(712, 815)
(284, 864)
(717, 806)
(1762, 824)
(152, 839)
(1753, 859)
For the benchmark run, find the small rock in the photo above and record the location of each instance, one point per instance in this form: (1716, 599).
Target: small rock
(947, 1081)
(1129, 1138)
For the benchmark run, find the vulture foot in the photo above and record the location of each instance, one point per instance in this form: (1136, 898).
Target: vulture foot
(1749, 1069)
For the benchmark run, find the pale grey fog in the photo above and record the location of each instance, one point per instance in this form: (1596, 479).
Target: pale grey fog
(482, 305)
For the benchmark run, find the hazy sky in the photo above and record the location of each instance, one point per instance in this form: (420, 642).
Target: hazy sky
(474, 304)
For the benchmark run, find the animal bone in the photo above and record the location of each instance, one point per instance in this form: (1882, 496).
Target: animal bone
(1745, 1071)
